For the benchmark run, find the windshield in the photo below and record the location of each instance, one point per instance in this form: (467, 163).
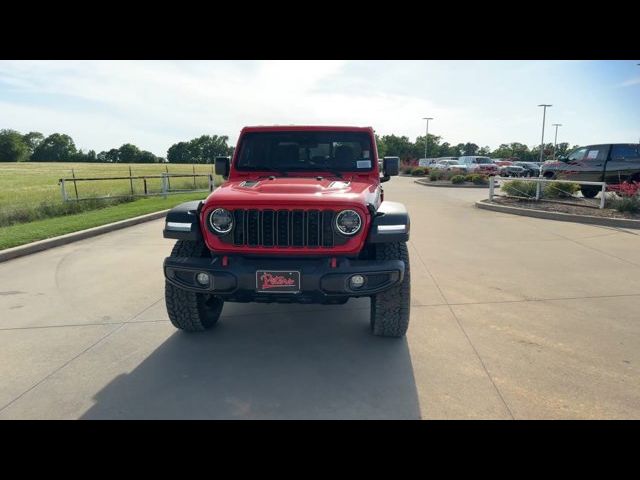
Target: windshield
(311, 151)
(483, 160)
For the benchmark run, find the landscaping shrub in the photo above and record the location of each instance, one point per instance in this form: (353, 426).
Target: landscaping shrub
(518, 188)
(435, 175)
(629, 201)
(418, 172)
(408, 170)
(468, 177)
(560, 190)
(626, 204)
(457, 179)
(479, 179)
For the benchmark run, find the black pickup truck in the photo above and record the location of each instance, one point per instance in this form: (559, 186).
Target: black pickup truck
(611, 163)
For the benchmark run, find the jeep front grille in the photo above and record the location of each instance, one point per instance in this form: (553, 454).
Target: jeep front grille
(283, 228)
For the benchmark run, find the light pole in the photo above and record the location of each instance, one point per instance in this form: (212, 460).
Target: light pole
(426, 139)
(555, 142)
(544, 113)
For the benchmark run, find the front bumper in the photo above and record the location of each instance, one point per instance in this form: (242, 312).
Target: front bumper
(319, 281)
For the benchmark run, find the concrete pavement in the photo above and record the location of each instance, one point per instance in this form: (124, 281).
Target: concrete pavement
(512, 317)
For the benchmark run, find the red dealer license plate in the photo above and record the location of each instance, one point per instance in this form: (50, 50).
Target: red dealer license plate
(277, 281)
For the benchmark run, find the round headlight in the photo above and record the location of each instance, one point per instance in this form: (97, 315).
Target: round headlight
(348, 222)
(221, 220)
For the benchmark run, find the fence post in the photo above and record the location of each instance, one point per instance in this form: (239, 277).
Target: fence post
(166, 167)
(75, 185)
(164, 185)
(602, 199)
(538, 183)
(491, 184)
(194, 176)
(145, 186)
(131, 180)
(63, 190)
(211, 185)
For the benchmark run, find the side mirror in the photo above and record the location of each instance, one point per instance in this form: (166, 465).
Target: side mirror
(222, 166)
(390, 166)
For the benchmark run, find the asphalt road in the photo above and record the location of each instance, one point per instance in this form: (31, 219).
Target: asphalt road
(512, 317)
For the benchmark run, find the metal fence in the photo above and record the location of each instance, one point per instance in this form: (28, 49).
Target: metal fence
(539, 196)
(165, 185)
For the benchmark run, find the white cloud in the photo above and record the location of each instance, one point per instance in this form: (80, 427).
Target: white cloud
(103, 104)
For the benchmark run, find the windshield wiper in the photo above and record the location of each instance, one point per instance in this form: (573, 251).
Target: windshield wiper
(269, 169)
(337, 173)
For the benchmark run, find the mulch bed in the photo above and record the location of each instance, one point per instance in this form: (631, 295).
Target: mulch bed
(576, 209)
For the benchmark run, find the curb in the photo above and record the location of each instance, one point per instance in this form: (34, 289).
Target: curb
(48, 243)
(563, 217)
(448, 185)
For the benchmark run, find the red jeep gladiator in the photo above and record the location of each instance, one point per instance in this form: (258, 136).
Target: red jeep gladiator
(301, 217)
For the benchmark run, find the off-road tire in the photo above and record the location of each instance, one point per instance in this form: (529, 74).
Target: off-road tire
(390, 309)
(191, 311)
(589, 191)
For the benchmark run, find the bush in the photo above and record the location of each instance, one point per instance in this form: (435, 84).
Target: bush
(418, 172)
(626, 204)
(560, 190)
(457, 179)
(435, 175)
(468, 178)
(479, 179)
(519, 188)
(629, 201)
(408, 170)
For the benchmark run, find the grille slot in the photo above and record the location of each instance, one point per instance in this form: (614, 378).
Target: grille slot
(313, 228)
(283, 228)
(238, 231)
(253, 227)
(297, 228)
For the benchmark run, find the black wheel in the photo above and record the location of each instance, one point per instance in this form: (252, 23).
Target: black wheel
(589, 191)
(191, 311)
(390, 309)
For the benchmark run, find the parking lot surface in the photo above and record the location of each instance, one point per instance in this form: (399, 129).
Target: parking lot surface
(512, 317)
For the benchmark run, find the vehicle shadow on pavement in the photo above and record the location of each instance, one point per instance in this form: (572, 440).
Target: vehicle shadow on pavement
(270, 362)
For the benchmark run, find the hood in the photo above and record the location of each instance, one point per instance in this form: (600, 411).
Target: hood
(295, 191)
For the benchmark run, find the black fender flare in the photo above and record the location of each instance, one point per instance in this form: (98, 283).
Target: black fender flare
(390, 223)
(183, 222)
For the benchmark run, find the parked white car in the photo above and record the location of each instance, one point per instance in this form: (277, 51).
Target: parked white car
(447, 165)
(478, 164)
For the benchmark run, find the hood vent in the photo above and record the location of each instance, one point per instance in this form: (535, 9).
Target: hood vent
(249, 183)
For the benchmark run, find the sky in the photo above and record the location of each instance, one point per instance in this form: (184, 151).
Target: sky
(154, 104)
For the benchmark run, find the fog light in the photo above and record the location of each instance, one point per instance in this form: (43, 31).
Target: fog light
(203, 279)
(357, 281)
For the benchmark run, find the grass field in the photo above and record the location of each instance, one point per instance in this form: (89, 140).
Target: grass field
(31, 183)
(31, 205)
(23, 233)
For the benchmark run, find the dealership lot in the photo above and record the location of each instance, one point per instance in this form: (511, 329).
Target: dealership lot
(512, 317)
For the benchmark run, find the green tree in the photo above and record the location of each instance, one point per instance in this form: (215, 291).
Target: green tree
(12, 146)
(128, 153)
(56, 147)
(203, 149)
(147, 157)
(433, 146)
(32, 140)
(470, 149)
(399, 147)
(179, 153)
(110, 156)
